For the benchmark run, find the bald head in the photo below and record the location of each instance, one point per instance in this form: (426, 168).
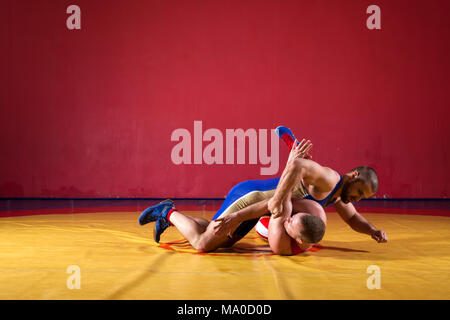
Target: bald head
(369, 176)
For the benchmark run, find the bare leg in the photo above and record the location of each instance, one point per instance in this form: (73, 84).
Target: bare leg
(201, 221)
(201, 234)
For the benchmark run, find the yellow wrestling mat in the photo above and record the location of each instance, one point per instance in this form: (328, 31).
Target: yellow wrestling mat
(118, 259)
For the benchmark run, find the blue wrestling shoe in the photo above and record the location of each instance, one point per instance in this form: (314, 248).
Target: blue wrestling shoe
(286, 135)
(156, 212)
(160, 226)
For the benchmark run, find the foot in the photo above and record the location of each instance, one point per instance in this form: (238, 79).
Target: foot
(155, 212)
(286, 135)
(160, 225)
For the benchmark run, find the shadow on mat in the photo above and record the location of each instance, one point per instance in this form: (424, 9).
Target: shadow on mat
(320, 247)
(244, 248)
(240, 249)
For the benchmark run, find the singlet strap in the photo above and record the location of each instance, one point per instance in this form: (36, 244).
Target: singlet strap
(324, 202)
(330, 196)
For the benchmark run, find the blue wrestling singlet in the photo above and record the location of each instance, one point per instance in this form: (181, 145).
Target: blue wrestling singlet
(249, 192)
(244, 194)
(243, 188)
(328, 200)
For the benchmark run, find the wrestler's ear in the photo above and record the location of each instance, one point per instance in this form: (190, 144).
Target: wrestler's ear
(354, 174)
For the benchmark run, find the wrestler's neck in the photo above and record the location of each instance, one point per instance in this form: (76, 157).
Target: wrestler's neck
(345, 178)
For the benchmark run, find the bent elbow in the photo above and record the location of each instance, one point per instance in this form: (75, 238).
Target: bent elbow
(296, 165)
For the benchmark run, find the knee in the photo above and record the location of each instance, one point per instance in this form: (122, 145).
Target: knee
(203, 246)
(203, 249)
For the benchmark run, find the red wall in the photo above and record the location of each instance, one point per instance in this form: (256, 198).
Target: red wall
(90, 112)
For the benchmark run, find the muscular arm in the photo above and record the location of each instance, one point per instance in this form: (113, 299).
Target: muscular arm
(297, 170)
(357, 222)
(230, 222)
(253, 211)
(279, 240)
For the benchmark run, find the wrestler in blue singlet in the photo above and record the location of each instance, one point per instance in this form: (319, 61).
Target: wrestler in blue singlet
(244, 192)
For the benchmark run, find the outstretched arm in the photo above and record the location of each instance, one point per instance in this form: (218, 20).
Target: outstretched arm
(357, 222)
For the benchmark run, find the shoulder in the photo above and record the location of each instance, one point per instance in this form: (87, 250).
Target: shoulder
(323, 177)
(310, 167)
